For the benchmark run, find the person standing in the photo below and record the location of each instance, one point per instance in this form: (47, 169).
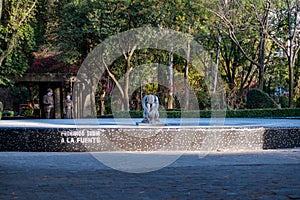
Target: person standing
(48, 103)
(68, 105)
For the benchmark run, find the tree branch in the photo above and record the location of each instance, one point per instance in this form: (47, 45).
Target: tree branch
(113, 78)
(231, 33)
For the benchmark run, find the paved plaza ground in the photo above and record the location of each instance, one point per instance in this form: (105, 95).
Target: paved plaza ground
(266, 174)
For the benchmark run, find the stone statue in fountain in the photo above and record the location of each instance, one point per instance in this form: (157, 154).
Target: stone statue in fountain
(150, 104)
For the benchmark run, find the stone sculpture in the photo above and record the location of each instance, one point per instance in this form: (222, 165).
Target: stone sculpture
(150, 104)
(68, 105)
(48, 103)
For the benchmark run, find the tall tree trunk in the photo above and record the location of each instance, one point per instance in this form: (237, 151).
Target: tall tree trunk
(171, 81)
(291, 82)
(129, 68)
(186, 76)
(262, 44)
(102, 103)
(261, 61)
(291, 94)
(118, 85)
(215, 74)
(126, 85)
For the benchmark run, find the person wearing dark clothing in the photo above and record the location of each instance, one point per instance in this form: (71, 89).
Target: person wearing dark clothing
(48, 103)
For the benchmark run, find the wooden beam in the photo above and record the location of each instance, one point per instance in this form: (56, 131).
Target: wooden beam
(45, 77)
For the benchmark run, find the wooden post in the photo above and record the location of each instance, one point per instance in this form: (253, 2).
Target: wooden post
(57, 103)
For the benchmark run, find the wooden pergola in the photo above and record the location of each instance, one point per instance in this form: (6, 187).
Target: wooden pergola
(60, 83)
(48, 72)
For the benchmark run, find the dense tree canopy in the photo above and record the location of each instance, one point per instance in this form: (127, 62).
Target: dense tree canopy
(16, 36)
(244, 38)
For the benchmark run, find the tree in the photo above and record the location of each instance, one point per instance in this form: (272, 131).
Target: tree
(184, 17)
(246, 24)
(85, 24)
(82, 25)
(285, 20)
(16, 36)
(238, 73)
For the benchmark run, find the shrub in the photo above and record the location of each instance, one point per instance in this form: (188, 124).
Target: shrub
(8, 113)
(284, 101)
(28, 111)
(257, 98)
(297, 102)
(247, 113)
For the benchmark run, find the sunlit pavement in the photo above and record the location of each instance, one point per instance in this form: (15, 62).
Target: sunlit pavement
(266, 174)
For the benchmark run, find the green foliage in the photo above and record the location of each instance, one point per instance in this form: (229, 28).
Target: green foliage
(28, 111)
(19, 95)
(247, 113)
(284, 101)
(77, 27)
(257, 98)
(284, 29)
(297, 102)
(8, 113)
(254, 113)
(17, 38)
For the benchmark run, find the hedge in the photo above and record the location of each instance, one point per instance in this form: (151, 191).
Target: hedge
(8, 113)
(258, 99)
(245, 113)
